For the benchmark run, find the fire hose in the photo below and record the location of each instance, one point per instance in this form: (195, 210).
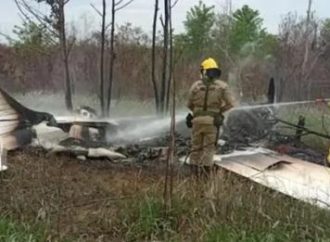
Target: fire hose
(302, 128)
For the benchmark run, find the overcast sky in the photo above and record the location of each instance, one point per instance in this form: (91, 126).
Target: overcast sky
(140, 12)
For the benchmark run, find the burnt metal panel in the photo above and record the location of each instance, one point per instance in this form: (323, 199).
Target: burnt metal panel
(259, 162)
(294, 177)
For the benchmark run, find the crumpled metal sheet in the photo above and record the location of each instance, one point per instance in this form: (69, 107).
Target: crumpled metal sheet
(257, 162)
(248, 126)
(294, 177)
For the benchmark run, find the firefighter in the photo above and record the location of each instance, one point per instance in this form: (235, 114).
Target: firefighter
(208, 99)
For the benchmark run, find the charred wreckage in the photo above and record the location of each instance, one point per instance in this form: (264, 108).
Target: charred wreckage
(243, 147)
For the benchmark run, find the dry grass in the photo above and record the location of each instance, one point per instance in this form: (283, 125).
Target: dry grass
(101, 201)
(317, 119)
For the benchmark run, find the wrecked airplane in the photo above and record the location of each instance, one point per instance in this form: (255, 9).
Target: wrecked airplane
(80, 136)
(20, 126)
(83, 135)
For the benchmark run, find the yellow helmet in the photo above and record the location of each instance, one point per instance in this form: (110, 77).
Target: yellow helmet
(209, 63)
(210, 69)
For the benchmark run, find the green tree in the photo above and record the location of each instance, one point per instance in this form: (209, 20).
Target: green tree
(31, 37)
(220, 37)
(245, 50)
(240, 35)
(246, 28)
(198, 25)
(267, 44)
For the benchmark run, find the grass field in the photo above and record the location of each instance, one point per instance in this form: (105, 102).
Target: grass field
(13, 232)
(62, 199)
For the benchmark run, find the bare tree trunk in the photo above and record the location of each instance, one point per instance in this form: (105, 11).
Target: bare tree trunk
(153, 56)
(112, 56)
(165, 59)
(63, 41)
(55, 24)
(307, 46)
(102, 58)
(169, 179)
(307, 32)
(168, 189)
(169, 80)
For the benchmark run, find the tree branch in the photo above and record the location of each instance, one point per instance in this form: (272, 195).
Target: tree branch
(6, 36)
(119, 2)
(34, 49)
(124, 5)
(173, 5)
(108, 26)
(70, 46)
(35, 13)
(316, 59)
(96, 10)
(162, 21)
(99, 13)
(22, 11)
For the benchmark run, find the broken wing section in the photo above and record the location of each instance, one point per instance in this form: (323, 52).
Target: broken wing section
(294, 177)
(94, 132)
(16, 122)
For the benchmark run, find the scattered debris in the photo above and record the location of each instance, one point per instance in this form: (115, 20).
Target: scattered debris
(83, 137)
(82, 153)
(301, 152)
(244, 127)
(86, 138)
(3, 158)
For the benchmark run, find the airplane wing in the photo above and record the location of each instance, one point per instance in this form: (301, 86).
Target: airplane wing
(16, 122)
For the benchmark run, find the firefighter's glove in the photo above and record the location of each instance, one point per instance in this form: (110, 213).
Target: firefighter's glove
(189, 119)
(218, 120)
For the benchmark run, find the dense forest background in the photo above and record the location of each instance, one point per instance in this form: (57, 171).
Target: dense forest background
(36, 56)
